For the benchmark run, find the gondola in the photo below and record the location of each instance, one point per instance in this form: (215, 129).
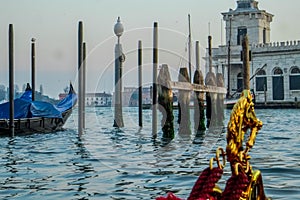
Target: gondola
(36, 116)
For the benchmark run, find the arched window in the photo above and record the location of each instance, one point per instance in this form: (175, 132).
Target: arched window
(295, 78)
(239, 82)
(261, 72)
(278, 84)
(261, 80)
(277, 71)
(295, 70)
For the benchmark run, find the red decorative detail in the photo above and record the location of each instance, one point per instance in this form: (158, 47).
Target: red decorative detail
(235, 186)
(203, 188)
(170, 196)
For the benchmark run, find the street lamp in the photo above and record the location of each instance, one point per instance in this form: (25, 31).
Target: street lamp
(119, 58)
(119, 29)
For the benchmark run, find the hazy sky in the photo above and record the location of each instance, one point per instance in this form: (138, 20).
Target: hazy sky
(54, 25)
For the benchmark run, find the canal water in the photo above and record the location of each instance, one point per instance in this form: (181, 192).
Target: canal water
(128, 164)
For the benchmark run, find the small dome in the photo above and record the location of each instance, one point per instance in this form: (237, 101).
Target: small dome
(247, 5)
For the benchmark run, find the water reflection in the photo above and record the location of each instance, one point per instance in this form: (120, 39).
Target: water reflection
(83, 169)
(11, 159)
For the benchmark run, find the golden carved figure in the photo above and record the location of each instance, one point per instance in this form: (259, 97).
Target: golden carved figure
(242, 118)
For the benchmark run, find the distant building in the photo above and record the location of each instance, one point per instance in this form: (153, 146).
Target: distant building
(94, 99)
(130, 96)
(276, 65)
(98, 99)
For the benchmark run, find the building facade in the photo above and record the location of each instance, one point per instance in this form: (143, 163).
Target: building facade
(98, 99)
(274, 66)
(130, 96)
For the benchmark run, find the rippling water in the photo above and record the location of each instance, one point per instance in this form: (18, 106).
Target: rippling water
(129, 164)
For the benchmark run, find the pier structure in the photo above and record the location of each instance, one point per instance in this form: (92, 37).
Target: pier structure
(166, 85)
(163, 87)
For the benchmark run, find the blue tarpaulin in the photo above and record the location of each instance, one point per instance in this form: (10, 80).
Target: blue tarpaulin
(21, 107)
(67, 103)
(25, 108)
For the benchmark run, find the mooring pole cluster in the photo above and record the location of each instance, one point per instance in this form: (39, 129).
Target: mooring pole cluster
(161, 87)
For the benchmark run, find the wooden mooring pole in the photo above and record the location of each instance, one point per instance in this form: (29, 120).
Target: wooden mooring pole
(154, 86)
(165, 100)
(220, 101)
(11, 79)
(199, 117)
(140, 82)
(184, 104)
(190, 46)
(197, 55)
(80, 78)
(246, 65)
(210, 97)
(33, 68)
(83, 83)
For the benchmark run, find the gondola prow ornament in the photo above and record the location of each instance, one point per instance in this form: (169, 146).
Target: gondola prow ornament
(244, 183)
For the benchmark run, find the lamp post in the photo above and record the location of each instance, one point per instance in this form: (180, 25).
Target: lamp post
(119, 58)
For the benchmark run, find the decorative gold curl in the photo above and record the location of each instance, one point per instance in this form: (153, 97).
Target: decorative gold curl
(219, 152)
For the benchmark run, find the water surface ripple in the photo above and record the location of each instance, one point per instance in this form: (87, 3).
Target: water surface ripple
(128, 164)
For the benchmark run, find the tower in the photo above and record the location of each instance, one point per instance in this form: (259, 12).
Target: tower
(248, 19)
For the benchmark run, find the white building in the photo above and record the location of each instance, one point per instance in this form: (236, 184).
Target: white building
(276, 64)
(98, 99)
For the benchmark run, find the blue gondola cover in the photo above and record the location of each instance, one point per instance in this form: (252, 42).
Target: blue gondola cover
(24, 107)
